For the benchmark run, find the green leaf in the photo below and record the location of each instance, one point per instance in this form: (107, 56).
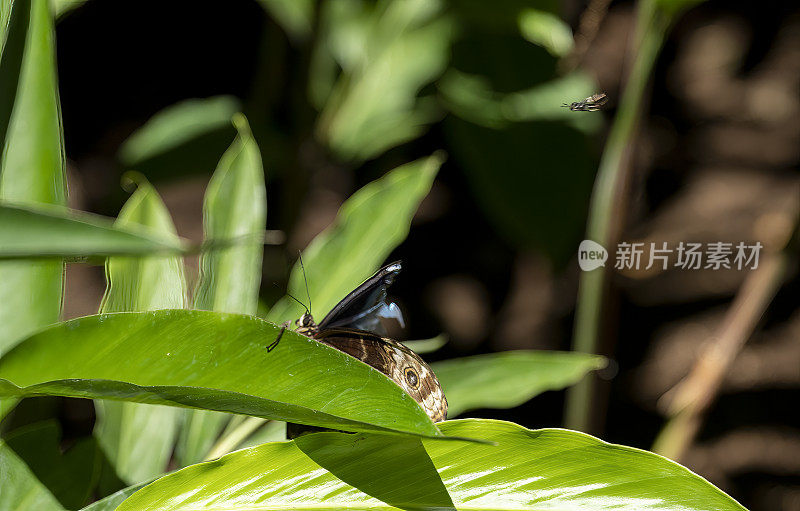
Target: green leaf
(62, 7)
(509, 378)
(546, 30)
(21, 489)
(472, 98)
(295, 16)
(145, 283)
(138, 438)
(43, 231)
(31, 162)
(111, 502)
(543, 469)
(388, 53)
(210, 360)
(69, 476)
(235, 207)
(177, 125)
(368, 227)
(427, 345)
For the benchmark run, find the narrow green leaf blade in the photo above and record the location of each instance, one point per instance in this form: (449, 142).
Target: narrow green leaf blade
(509, 378)
(21, 489)
(42, 231)
(214, 361)
(138, 438)
(31, 163)
(368, 227)
(527, 469)
(235, 207)
(111, 502)
(176, 125)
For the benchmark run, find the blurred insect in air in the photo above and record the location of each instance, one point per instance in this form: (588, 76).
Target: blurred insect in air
(590, 104)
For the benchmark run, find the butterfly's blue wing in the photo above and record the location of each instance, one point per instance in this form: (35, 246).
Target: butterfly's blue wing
(363, 308)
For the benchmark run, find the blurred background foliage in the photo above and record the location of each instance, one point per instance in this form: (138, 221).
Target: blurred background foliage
(339, 92)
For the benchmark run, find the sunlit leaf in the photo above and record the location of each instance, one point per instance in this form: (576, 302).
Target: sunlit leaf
(138, 438)
(370, 224)
(31, 162)
(211, 360)
(21, 487)
(527, 469)
(509, 378)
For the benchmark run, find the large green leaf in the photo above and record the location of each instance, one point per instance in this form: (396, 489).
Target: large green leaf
(369, 226)
(59, 232)
(235, 207)
(138, 438)
(211, 360)
(544, 469)
(21, 489)
(507, 379)
(31, 162)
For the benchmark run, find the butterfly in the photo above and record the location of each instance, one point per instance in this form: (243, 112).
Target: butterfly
(354, 327)
(590, 104)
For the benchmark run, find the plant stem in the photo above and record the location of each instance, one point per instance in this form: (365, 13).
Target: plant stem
(605, 214)
(692, 396)
(235, 435)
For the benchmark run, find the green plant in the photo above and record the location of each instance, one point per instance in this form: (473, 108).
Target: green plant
(148, 355)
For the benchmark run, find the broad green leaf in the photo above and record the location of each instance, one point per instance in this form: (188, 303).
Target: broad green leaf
(235, 207)
(210, 360)
(31, 162)
(547, 469)
(111, 502)
(368, 227)
(138, 438)
(388, 52)
(21, 489)
(176, 125)
(41, 231)
(547, 30)
(69, 476)
(509, 378)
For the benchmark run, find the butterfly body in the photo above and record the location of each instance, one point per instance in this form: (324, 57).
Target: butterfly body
(353, 327)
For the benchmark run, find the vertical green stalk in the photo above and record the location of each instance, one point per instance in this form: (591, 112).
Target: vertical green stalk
(604, 212)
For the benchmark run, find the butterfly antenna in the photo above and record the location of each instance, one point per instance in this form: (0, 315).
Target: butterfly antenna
(298, 301)
(300, 255)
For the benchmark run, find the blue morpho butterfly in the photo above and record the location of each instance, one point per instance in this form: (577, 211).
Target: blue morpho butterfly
(354, 327)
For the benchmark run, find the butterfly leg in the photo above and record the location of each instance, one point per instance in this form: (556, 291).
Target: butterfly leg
(278, 338)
